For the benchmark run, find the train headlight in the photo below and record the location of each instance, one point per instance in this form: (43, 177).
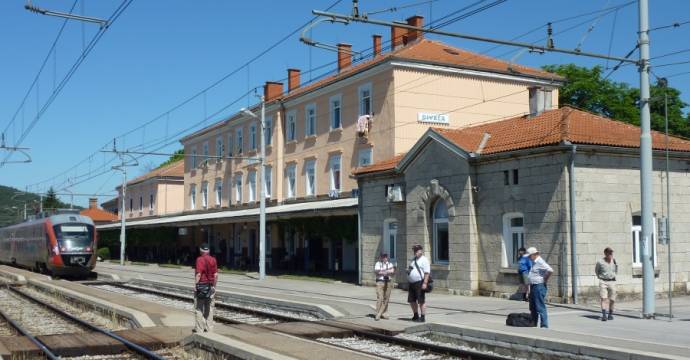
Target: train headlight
(56, 250)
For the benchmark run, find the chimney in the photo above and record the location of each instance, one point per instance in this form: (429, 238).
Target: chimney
(272, 90)
(93, 203)
(293, 79)
(416, 21)
(377, 45)
(344, 56)
(398, 37)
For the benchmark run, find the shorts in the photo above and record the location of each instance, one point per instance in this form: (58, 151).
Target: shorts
(415, 294)
(607, 290)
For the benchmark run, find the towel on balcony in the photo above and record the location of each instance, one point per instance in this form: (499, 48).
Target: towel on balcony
(363, 123)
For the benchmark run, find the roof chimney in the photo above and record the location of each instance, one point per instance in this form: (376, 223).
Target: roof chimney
(93, 203)
(272, 90)
(344, 56)
(416, 21)
(398, 37)
(293, 79)
(377, 45)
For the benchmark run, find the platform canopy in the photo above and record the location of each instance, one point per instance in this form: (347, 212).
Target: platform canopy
(346, 206)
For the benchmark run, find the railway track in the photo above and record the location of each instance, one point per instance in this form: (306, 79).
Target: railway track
(62, 323)
(384, 346)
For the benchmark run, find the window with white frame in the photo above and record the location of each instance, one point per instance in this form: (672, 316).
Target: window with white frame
(291, 181)
(219, 191)
(204, 194)
(513, 238)
(334, 171)
(637, 241)
(268, 175)
(231, 145)
(365, 103)
(150, 201)
(194, 158)
(364, 157)
(205, 151)
(240, 139)
(268, 130)
(252, 136)
(390, 237)
(238, 189)
(291, 125)
(219, 148)
(310, 177)
(440, 243)
(335, 111)
(192, 196)
(310, 120)
(251, 183)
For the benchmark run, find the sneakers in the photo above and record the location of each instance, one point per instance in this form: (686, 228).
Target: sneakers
(384, 317)
(603, 318)
(415, 317)
(377, 318)
(422, 318)
(610, 317)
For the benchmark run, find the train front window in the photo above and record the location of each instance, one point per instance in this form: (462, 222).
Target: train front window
(74, 237)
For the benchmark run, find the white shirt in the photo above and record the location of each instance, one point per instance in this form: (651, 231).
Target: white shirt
(424, 267)
(383, 266)
(538, 271)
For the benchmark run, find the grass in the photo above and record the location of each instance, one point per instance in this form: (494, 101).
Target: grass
(306, 278)
(176, 266)
(140, 263)
(226, 270)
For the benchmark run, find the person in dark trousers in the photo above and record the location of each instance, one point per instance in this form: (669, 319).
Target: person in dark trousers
(205, 284)
(524, 265)
(418, 279)
(606, 270)
(538, 276)
(384, 284)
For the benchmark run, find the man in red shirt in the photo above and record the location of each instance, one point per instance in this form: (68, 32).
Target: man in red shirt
(205, 284)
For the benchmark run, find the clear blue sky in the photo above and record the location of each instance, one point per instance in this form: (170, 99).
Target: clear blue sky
(158, 53)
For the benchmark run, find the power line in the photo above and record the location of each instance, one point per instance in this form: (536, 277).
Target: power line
(116, 14)
(673, 64)
(670, 26)
(670, 54)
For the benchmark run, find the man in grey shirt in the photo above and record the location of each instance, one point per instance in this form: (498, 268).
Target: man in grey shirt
(606, 270)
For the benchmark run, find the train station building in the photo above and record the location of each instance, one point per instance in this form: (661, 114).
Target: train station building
(317, 134)
(473, 196)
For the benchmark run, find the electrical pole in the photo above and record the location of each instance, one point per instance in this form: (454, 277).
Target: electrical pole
(123, 230)
(262, 200)
(668, 210)
(646, 166)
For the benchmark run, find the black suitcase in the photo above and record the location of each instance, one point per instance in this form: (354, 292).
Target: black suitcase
(520, 320)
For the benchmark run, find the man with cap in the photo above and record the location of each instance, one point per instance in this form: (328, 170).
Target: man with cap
(606, 270)
(418, 279)
(205, 284)
(538, 276)
(384, 284)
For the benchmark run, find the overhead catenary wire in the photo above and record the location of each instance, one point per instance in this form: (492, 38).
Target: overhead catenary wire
(116, 14)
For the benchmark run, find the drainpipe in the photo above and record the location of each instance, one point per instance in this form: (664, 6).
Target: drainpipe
(573, 223)
(359, 233)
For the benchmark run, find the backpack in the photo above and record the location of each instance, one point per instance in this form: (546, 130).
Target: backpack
(520, 320)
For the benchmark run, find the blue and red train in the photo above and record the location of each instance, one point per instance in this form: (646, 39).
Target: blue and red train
(63, 244)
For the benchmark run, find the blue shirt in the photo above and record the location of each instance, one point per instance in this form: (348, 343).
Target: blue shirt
(524, 265)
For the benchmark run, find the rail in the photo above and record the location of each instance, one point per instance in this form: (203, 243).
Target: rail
(146, 353)
(43, 347)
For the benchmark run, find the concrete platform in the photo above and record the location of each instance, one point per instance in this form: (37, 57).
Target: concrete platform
(570, 326)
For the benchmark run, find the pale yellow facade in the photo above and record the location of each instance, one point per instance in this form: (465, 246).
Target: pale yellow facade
(401, 93)
(152, 197)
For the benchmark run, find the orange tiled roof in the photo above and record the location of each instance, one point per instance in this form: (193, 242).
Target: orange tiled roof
(551, 127)
(175, 169)
(98, 215)
(435, 52)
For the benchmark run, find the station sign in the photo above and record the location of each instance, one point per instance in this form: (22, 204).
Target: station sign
(433, 118)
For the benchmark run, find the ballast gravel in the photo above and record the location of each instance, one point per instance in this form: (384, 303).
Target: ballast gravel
(383, 349)
(34, 318)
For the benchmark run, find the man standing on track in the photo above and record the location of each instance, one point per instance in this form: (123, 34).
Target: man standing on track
(205, 290)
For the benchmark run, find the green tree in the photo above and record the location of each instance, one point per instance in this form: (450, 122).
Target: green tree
(587, 89)
(177, 155)
(51, 201)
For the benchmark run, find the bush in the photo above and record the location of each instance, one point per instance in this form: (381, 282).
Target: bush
(103, 253)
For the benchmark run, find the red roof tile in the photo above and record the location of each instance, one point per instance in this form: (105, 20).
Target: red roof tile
(548, 128)
(99, 215)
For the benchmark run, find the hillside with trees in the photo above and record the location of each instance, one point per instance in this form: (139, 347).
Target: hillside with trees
(12, 204)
